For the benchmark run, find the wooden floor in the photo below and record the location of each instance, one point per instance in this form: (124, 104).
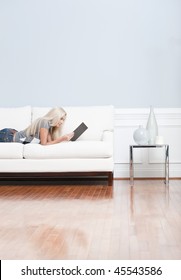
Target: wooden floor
(90, 220)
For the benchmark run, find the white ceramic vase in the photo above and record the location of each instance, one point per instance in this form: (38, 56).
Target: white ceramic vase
(140, 136)
(152, 127)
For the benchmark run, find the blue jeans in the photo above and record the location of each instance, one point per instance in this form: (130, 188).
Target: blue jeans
(6, 134)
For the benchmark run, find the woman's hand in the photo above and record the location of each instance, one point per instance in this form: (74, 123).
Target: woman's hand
(67, 137)
(45, 138)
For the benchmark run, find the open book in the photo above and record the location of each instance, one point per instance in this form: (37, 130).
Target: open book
(78, 131)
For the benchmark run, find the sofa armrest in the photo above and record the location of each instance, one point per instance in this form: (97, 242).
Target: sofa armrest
(107, 136)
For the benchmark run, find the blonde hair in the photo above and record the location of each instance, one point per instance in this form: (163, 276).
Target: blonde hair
(53, 116)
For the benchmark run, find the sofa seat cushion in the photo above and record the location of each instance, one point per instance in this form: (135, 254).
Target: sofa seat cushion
(77, 149)
(11, 150)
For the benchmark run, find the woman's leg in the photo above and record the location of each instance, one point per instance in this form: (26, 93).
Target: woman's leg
(6, 134)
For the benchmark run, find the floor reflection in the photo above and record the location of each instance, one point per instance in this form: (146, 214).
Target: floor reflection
(87, 221)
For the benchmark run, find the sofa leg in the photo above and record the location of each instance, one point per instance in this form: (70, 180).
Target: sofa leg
(110, 178)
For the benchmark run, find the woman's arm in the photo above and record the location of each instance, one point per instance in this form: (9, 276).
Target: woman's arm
(45, 137)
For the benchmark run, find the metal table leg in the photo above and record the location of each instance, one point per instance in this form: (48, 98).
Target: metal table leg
(167, 164)
(131, 165)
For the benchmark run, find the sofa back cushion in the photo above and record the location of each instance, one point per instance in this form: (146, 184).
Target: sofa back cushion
(18, 118)
(97, 118)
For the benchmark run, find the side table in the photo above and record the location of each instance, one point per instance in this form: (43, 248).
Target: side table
(131, 149)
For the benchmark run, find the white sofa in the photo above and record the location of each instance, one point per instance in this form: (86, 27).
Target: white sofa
(91, 155)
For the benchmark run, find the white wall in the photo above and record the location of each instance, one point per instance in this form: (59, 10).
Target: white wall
(90, 52)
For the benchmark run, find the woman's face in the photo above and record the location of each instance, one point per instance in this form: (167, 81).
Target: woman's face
(61, 121)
